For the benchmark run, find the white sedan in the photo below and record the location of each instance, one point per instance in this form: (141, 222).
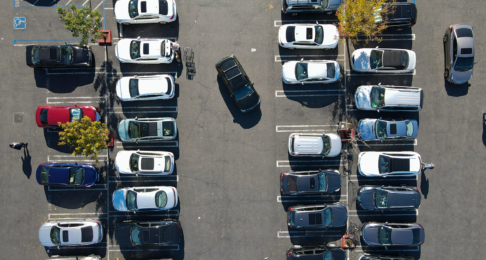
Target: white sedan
(310, 72)
(389, 164)
(383, 60)
(145, 198)
(144, 162)
(308, 36)
(145, 88)
(70, 233)
(146, 11)
(144, 51)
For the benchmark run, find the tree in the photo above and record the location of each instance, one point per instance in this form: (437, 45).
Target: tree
(357, 18)
(84, 137)
(82, 21)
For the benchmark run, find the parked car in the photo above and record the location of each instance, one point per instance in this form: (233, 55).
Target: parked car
(132, 233)
(146, 11)
(392, 234)
(310, 6)
(404, 15)
(317, 216)
(90, 257)
(67, 175)
(144, 51)
(363, 256)
(310, 72)
(314, 145)
(459, 53)
(389, 164)
(70, 233)
(58, 56)
(49, 116)
(144, 162)
(141, 88)
(310, 182)
(314, 253)
(147, 129)
(389, 98)
(388, 197)
(382, 60)
(145, 198)
(308, 36)
(238, 83)
(379, 129)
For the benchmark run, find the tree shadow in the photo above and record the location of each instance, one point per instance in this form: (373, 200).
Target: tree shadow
(312, 237)
(152, 30)
(26, 163)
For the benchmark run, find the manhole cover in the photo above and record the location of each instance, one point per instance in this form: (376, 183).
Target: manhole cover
(18, 118)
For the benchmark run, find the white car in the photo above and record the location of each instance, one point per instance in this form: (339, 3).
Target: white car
(144, 162)
(145, 11)
(389, 164)
(70, 233)
(144, 51)
(141, 88)
(308, 36)
(315, 145)
(389, 98)
(383, 60)
(145, 198)
(310, 72)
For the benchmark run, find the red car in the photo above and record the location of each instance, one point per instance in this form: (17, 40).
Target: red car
(49, 116)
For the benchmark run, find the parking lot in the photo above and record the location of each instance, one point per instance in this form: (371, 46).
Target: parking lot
(228, 164)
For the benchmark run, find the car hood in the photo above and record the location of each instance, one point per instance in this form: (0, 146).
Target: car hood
(91, 113)
(370, 235)
(90, 176)
(366, 198)
(339, 216)
(366, 129)
(119, 200)
(122, 162)
(123, 130)
(288, 72)
(405, 199)
(362, 97)
(331, 34)
(361, 59)
(81, 56)
(412, 60)
(122, 234)
(461, 76)
(123, 49)
(368, 163)
(121, 10)
(335, 145)
(122, 88)
(333, 181)
(45, 235)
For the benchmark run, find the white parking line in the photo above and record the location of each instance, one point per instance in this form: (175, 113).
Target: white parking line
(399, 143)
(159, 248)
(283, 93)
(327, 233)
(382, 215)
(279, 58)
(96, 187)
(143, 176)
(384, 179)
(369, 248)
(61, 158)
(152, 144)
(141, 180)
(349, 73)
(160, 109)
(83, 100)
(52, 216)
(302, 128)
(176, 213)
(342, 198)
(286, 163)
(278, 23)
(98, 5)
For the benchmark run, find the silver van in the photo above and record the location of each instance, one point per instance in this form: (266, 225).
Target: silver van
(314, 145)
(310, 6)
(389, 98)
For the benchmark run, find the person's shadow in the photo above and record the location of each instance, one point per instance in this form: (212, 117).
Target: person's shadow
(424, 184)
(26, 159)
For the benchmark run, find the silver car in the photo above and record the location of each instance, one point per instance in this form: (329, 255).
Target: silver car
(70, 233)
(458, 53)
(310, 72)
(379, 129)
(147, 129)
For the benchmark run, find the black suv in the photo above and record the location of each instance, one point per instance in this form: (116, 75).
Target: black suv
(239, 85)
(132, 233)
(58, 56)
(310, 6)
(405, 15)
(315, 252)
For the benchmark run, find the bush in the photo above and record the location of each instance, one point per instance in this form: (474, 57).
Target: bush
(82, 21)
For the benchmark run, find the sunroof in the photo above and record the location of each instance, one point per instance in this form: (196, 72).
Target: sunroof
(309, 33)
(65, 236)
(466, 51)
(143, 6)
(315, 219)
(145, 48)
(393, 129)
(312, 183)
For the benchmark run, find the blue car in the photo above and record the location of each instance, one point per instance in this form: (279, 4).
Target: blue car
(67, 175)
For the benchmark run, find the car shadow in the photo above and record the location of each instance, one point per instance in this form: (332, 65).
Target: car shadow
(42, 2)
(314, 237)
(245, 120)
(456, 90)
(152, 30)
(75, 199)
(27, 163)
(52, 140)
(424, 184)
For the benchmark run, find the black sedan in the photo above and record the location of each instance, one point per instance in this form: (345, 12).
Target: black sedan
(393, 234)
(156, 233)
(310, 182)
(382, 257)
(388, 198)
(317, 216)
(404, 15)
(314, 253)
(58, 56)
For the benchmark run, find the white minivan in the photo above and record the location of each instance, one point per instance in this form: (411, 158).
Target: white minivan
(389, 98)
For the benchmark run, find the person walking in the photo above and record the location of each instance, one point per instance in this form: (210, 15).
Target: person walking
(18, 146)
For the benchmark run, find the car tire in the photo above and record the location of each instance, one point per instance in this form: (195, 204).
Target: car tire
(445, 39)
(446, 73)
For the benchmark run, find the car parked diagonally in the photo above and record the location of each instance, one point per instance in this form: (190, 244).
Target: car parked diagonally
(387, 129)
(136, 199)
(403, 15)
(144, 51)
(308, 36)
(317, 216)
(70, 233)
(314, 145)
(145, 11)
(144, 162)
(388, 197)
(67, 175)
(310, 182)
(141, 88)
(311, 72)
(458, 53)
(58, 56)
(392, 234)
(147, 129)
(389, 164)
(383, 60)
(315, 253)
(132, 233)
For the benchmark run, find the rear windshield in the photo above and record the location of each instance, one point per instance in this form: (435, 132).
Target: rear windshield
(131, 200)
(168, 129)
(381, 199)
(168, 164)
(292, 183)
(163, 7)
(133, 8)
(301, 71)
(409, 125)
(43, 116)
(464, 32)
(161, 199)
(331, 70)
(133, 87)
(55, 235)
(380, 129)
(384, 236)
(76, 176)
(134, 162)
(319, 34)
(326, 145)
(134, 130)
(377, 97)
(376, 59)
(75, 113)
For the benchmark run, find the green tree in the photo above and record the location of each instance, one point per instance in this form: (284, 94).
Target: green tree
(82, 21)
(84, 137)
(363, 18)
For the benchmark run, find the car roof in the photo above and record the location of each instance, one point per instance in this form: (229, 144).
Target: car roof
(168, 233)
(308, 144)
(303, 2)
(235, 76)
(317, 69)
(55, 115)
(49, 53)
(58, 175)
(465, 40)
(403, 11)
(392, 58)
(402, 97)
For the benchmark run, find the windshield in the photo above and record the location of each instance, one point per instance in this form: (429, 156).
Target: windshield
(134, 130)
(135, 235)
(75, 113)
(375, 59)
(377, 97)
(384, 236)
(326, 146)
(131, 200)
(66, 55)
(161, 199)
(133, 87)
(35, 55)
(133, 8)
(243, 92)
(384, 164)
(324, 3)
(168, 164)
(55, 238)
(319, 34)
(43, 116)
(322, 181)
(409, 126)
(135, 49)
(43, 174)
(327, 255)
(76, 176)
(380, 129)
(301, 71)
(464, 64)
(381, 197)
(134, 162)
(327, 217)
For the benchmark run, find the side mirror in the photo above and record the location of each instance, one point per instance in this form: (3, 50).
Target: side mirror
(302, 83)
(138, 150)
(379, 84)
(76, 105)
(386, 223)
(76, 164)
(375, 48)
(58, 247)
(378, 110)
(381, 140)
(382, 186)
(138, 38)
(136, 117)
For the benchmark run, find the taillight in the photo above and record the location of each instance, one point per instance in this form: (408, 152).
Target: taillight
(99, 225)
(282, 44)
(179, 226)
(281, 177)
(293, 136)
(293, 153)
(452, 26)
(172, 16)
(290, 252)
(291, 208)
(421, 227)
(415, 188)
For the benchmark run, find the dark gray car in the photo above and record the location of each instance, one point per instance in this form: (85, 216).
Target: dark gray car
(392, 234)
(315, 253)
(388, 198)
(310, 6)
(151, 233)
(458, 53)
(310, 182)
(382, 257)
(317, 216)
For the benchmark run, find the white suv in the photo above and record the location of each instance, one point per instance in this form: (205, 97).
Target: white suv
(315, 145)
(145, 11)
(389, 98)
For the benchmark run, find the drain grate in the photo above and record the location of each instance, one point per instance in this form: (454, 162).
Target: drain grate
(18, 118)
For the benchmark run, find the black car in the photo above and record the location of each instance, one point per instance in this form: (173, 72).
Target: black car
(310, 6)
(315, 253)
(393, 234)
(310, 182)
(388, 198)
(156, 233)
(404, 15)
(238, 83)
(382, 257)
(317, 216)
(58, 56)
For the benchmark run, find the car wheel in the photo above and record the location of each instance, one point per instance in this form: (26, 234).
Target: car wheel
(445, 39)
(446, 73)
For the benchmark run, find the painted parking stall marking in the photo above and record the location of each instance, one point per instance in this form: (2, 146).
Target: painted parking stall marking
(308, 163)
(305, 128)
(316, 199)
(74, 100)
(147, 109)
(67, 216)
(278, 23)
(309, 233)
(310, 93)
(280, 58)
